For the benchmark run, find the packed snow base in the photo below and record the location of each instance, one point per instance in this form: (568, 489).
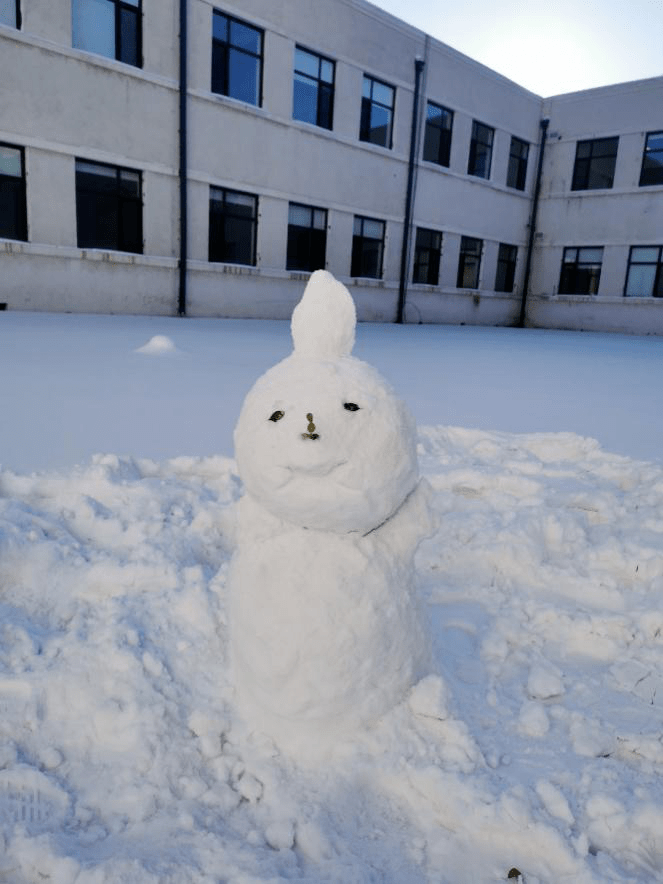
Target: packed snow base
(536, 747)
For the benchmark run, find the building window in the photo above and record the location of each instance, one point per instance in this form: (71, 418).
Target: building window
(313, 99)
(233, 223)
(10, 13)
(645, 272)
(236, 59)
(13, 215)
(437, 136)
(427, 256)
(469, 263)
(652, 160)
(481, 150)
(109, 208)
(506, 268)
(581, 271)
(594, 168)
(517, 172)
(377, 112)
(307, 238)
(109, 27)
(367, 248)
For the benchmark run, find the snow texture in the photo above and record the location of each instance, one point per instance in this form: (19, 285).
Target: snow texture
(325, 632)
(535, 744)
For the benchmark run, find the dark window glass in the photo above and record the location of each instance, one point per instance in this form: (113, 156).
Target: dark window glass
(644, 278)
(367, 248)
(652, 160)
(13, 215)
(10, 13)
(594, 166)
(427, 256)
(307, 238)
(109, 208)
(109, 27)
(481, 150)
(377, 112)
(581, 271)
(506, 268)
(517, 172)
(437, 135)
(233, 222)
(236, 59)
(469, 263)
(313, 96)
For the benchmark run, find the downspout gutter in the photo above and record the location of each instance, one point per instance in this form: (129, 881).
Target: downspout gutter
(419, 65)
(544, 123)
(181, 300)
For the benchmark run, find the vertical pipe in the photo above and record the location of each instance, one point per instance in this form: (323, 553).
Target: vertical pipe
(532, 222)
(181, 300)
(409, 196)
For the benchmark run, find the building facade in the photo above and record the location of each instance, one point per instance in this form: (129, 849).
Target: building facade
(203, 158)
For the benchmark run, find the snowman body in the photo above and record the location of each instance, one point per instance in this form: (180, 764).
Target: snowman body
(325, 631)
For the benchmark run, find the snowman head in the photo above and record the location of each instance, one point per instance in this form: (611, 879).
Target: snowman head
(322, 441)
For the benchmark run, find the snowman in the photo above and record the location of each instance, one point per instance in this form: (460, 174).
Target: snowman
(326, 635)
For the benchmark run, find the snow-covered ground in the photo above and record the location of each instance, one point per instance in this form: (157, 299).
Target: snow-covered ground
(534, 745)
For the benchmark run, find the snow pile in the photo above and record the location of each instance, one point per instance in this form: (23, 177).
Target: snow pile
(536, 746)
(326, 635)
(158, 345)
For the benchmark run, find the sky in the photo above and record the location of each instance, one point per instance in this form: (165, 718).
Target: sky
(551, 48)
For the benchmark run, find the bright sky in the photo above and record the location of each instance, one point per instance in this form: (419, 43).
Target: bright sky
(549, 48)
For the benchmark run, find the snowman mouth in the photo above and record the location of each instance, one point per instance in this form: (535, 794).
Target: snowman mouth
(320, 470)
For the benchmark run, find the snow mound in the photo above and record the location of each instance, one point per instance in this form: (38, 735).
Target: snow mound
(158, 345)
(536, 746)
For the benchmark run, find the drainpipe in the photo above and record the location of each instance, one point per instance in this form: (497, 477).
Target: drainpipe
(181, 300)
(419, 64)
(532, 222)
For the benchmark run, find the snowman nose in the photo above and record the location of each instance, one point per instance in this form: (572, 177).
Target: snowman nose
(311, 434)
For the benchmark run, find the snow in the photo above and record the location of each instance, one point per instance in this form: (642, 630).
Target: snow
(326, 634)
(533, 745)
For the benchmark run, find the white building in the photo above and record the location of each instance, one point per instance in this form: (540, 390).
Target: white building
(139, 178)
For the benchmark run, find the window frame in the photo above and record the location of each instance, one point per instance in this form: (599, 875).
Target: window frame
(228, 46)
(308, 232)
(505, 273)
(122, 199)
(217, 246)
(473, 165)
(584, 167)
(442, 132)
(359, 250)
(568, 278)
(20, 196)
(657, 283)
(645, 152)
(322, 86)
(119, 7)
(427, 257)
(464, 256)
(516, 175)
(17, 16)
(368, 103)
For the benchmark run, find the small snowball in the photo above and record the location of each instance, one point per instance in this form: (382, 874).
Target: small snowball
(554, 801)
(51, 758)
(280, 835)
(544, 683)
(323, 323)
(533, 720)
(250, 788)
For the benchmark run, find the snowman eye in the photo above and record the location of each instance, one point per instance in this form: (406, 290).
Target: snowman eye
(277, 416)
(350, 406)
